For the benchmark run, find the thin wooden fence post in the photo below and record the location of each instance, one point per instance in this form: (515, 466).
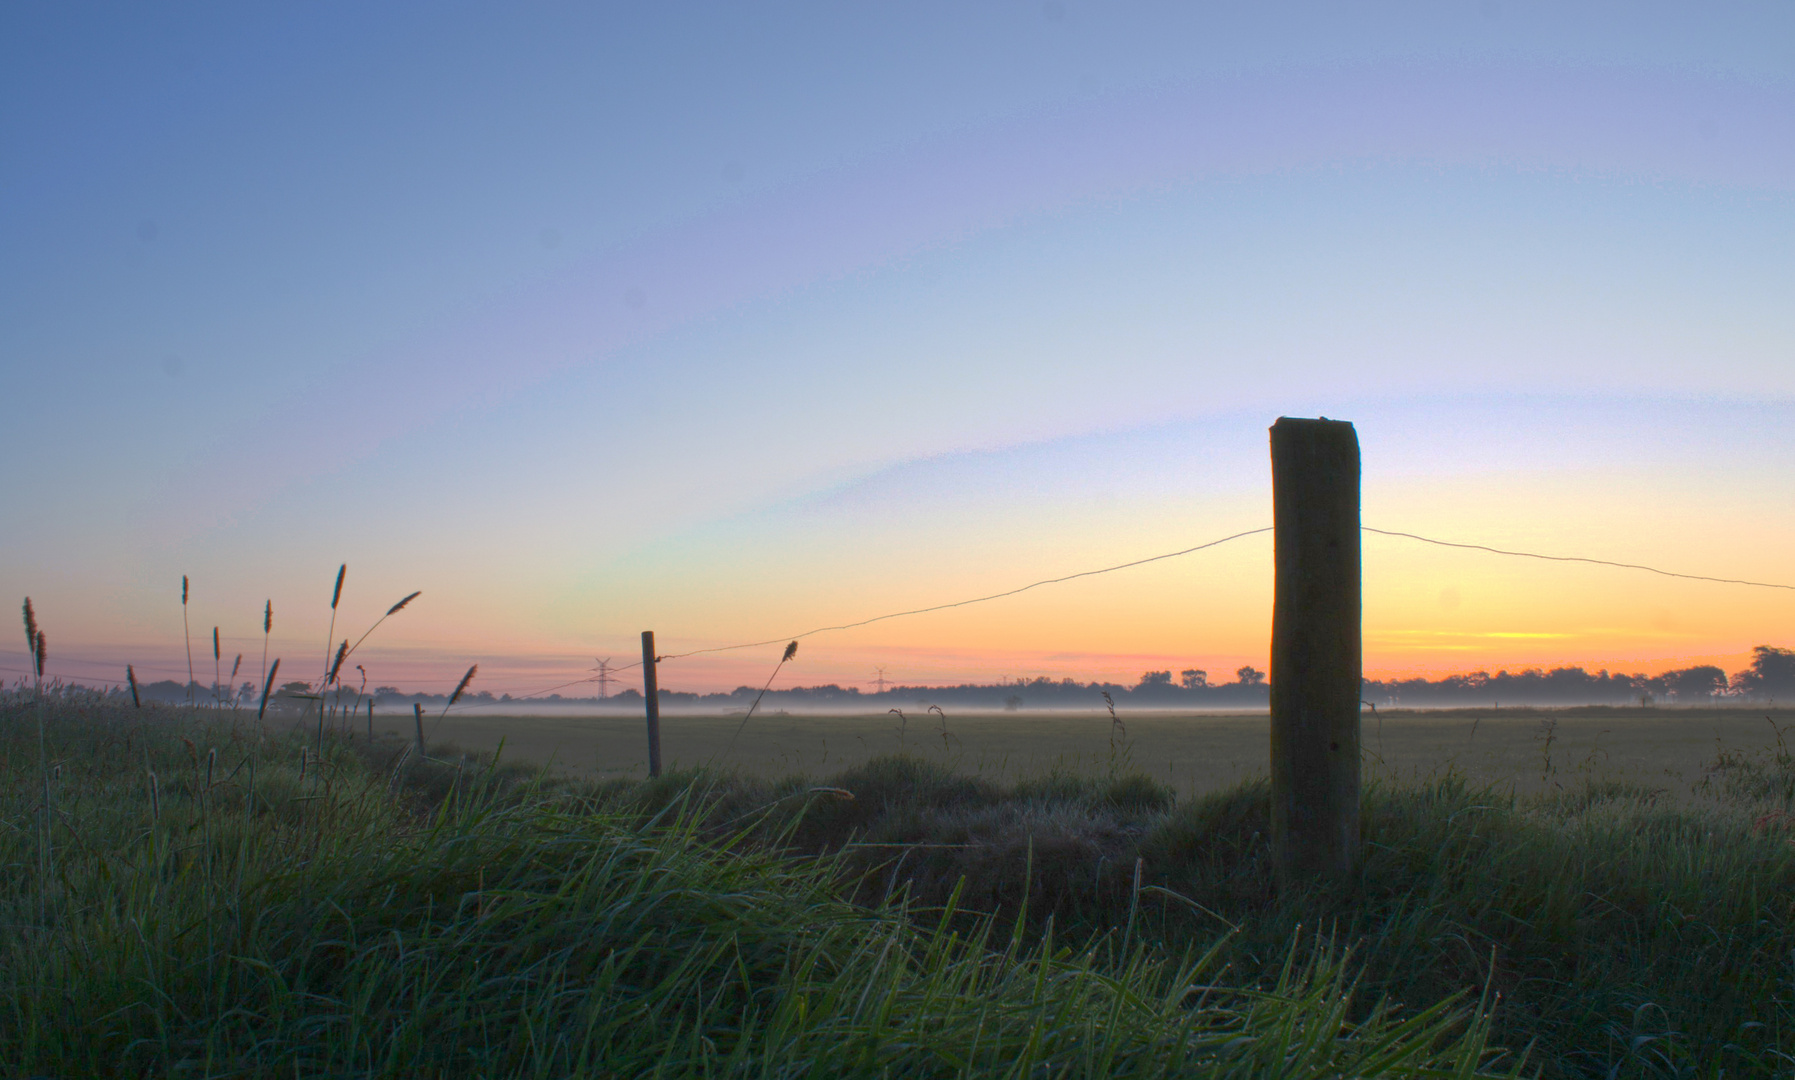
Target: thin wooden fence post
(651, 698)
(417, 716)
(1316, 649)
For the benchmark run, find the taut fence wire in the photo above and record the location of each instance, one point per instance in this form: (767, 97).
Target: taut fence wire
(1159, 558)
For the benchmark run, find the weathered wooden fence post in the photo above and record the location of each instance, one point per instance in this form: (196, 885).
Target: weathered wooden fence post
(1316, 650)
(417, 717)
(651, 697)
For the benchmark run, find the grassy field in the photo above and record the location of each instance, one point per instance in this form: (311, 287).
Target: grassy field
(1537, 750)
(216, 899)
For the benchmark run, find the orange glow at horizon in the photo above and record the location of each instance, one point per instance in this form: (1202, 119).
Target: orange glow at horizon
(1429, 611)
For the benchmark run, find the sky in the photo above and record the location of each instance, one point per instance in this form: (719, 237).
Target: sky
(733, 321)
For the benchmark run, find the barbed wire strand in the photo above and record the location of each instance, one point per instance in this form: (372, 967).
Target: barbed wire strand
(1576, 559)
(962, 603)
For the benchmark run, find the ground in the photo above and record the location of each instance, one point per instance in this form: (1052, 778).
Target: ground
(1659, 748)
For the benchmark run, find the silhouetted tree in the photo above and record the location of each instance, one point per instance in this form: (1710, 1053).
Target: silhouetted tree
(1193, 678)
(1249, 676)
(1691, 684)
(1772, 673)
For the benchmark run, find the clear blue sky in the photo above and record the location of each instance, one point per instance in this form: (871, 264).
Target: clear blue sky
(585, 319)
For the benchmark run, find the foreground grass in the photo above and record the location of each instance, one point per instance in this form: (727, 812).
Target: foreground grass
(214, 900)
(1628, 933)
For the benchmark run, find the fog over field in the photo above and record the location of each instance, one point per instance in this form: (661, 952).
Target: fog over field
(1533, 750)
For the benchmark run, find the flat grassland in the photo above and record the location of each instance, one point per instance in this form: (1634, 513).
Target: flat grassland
(1538, 750)
(194, 893)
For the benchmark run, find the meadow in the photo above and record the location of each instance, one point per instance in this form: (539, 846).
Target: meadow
(215, 897)
(1536, 750)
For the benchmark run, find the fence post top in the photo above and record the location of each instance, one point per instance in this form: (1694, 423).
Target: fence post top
(1302, 421)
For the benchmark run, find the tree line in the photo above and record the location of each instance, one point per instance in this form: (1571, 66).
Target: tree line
(1769, 677)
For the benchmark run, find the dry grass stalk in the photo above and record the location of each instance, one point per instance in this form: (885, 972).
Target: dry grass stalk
(945, 734)
(187, 638)
(394, 610)
(791, 650)
(41, 651)
(30, 628)
(336, 594)
(1115, 722)
(268, 685)
(131, 677)
(461, 687)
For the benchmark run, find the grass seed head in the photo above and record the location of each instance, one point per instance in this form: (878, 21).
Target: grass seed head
(268, 617)
(337, 664)
(462, 686)
(267, 686)
(400, 606)
(235, 666)
(216, 655)
(40, 654)
(337, 593)
(30, 627)
(183, 590)
(790, 651)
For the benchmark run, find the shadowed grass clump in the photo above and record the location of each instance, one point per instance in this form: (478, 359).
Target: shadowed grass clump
(1628, 934)
(276, 911)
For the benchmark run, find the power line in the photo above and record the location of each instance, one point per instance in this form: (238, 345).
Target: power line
(1577, 559)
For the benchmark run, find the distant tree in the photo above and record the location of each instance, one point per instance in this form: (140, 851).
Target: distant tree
(1193, 678)
(1772, 673)
(1248, 675)
(1012, 703)
(1155, 679)
(1691, 684)
(296, 687)
(383, 691)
